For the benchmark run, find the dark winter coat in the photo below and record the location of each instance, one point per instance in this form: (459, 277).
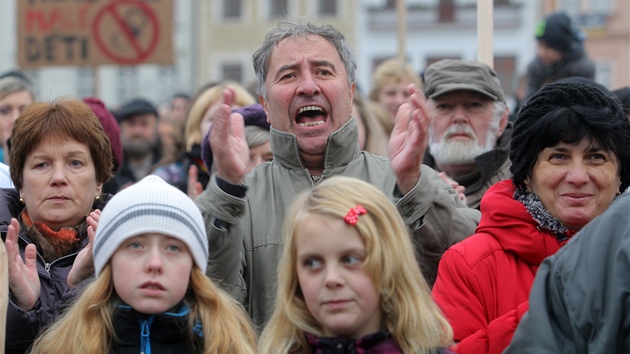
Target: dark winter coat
(156, 334)
(575, 63)
(23, 327)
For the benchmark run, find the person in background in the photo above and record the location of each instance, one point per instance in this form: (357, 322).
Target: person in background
(111, 128)
(180, 104)
(150, 294)
(560, 53)
(188, 171)
(15, 95)
(391, 80)
(469, 133)
(348, 278)
(623, 95)
(570, 159)
(4, 292)
(380, 112)
(306, 82)
(579, 300)
(138, 120)
(5, 176)
(372, 135)
(256, 135)
(60, 159)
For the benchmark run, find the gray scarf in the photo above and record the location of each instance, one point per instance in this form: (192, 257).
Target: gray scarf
(541, 215)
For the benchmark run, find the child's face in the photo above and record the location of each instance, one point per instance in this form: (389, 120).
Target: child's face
(151, 272)
(338, 293)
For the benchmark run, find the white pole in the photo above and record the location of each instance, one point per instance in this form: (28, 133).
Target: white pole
(485, 24)
(401, 14)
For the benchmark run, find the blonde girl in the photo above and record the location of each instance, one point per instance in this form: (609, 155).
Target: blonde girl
(348, 277)
(151, 294)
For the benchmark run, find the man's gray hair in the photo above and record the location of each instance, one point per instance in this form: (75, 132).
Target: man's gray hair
(294, 30)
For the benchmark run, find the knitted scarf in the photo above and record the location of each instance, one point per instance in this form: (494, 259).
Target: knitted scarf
(52, 245)
(541, 215)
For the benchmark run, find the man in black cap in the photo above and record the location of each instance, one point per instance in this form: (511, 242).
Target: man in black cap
(469, 133)
(560, 53)
(139, 136)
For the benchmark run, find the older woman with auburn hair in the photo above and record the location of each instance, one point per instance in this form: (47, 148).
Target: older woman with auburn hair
(570, 160)
(60, 158)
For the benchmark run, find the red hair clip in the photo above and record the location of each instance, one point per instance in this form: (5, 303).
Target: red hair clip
(353, 215)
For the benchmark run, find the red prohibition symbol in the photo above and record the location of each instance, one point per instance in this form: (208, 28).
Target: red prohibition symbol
(140, 51)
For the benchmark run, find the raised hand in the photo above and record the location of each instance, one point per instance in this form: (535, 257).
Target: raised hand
(83, 265)
(23, 278)
(227, 139)
(194, 186)
(409, 139)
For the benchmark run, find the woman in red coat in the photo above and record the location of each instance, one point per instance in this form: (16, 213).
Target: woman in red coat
(569, 161)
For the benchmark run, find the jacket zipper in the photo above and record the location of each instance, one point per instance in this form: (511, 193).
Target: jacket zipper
(145, 338)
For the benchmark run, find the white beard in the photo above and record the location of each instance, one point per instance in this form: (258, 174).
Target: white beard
(460, 151)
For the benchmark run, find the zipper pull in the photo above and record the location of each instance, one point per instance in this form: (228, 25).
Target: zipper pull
(144, 336)
(47, 267)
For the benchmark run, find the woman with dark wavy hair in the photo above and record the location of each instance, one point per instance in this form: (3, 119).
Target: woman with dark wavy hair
(570, 159)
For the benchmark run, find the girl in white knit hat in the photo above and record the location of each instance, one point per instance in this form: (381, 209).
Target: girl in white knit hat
(151, 294)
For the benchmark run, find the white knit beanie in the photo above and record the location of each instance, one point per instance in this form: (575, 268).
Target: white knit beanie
(150, 206)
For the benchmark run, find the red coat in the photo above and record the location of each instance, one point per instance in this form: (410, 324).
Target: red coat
(483, 281)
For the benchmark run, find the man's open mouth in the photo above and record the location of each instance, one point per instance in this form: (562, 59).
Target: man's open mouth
(310, 116)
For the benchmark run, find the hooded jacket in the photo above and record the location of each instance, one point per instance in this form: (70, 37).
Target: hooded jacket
(484, 281)
(23, 327)
(245, 234)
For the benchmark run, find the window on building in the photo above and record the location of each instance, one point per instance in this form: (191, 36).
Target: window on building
(232, 72)
(581, 7)
(505, 66)
(279, 8)
(168, 82)
(604, 73)
(328, 7)
(127, 86)
(432, 59)
(85, 82)
(231, 8)
(446, 10)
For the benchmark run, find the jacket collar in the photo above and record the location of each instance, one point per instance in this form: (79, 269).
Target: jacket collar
(508, 221)
(341, 148)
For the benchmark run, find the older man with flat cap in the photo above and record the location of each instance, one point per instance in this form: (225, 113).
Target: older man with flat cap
(469, 133)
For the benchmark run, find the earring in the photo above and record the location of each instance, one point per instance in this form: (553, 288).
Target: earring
(21, 200)
(97, 198)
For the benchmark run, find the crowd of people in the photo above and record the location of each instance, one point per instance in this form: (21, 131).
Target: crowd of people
(306, 217)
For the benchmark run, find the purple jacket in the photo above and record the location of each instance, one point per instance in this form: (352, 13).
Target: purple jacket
(377, 343)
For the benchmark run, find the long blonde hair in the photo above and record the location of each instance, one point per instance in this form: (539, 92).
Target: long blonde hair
(87, 326)
(409, 313)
